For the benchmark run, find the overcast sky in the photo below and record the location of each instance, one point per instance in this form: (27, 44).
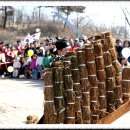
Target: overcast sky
(108, 13)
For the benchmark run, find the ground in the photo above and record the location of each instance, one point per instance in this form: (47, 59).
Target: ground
(22, 97)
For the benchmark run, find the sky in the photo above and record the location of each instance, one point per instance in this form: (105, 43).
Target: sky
(106, 13)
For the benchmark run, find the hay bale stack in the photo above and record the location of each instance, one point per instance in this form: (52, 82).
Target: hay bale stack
(59, 94)
(77, 89)
(92, 76)
(70, 97)
(101, 76)
(49, 107)
(126, 84)
(85, 85)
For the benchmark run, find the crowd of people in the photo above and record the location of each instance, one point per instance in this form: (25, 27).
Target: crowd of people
(44, 54)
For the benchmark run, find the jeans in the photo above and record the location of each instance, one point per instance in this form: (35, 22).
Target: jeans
(34, 73)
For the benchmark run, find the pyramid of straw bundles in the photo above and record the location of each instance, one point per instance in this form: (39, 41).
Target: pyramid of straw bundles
(126, 84)
(85, 85)
(77, 89)
(70, 97)
(101, 76)
(117, 66)
(59, 94)
(49, 107)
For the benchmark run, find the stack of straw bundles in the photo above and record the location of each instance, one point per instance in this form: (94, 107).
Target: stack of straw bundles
(85, 85)
(101, 76)
(77, 89)
(59, 94)
(49, 107)
(126, 84)
(70, 97)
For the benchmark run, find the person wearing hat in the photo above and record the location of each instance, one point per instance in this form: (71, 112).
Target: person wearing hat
(74, 46)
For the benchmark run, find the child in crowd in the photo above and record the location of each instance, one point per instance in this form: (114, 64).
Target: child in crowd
(47, 59)
(16, 66)
(26, 68)
(33, 66)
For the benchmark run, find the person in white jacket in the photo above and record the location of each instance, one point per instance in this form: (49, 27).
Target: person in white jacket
(16, 66)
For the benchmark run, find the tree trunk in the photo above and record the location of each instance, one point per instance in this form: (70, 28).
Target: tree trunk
(5, 18)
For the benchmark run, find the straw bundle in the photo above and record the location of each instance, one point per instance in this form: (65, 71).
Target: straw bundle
(99, 63)
(49, 108)
(105, 34)
(94, 111)
(89, 52)
(86, 114)
(110, 101)
(110, 84)
(126, 84)
(58, 93)
(117, 66)
(101, 75)
(81, 56)
(118, 78)
(101, 89)
(118, 96)
(94, 93)
(97, 48)
(110, 41)
(110, 71)
(113, 54)
(70, 114)
(85, 85)
(91, 67)
(104, 45)
(107, 58)
(92, 79)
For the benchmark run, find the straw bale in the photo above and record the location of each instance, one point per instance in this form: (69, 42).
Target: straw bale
(83, 71)
(101, 75)
(92, 79)
(99, 63)
(98, 48)
(86, 111)
(91, 67)
(102, 102)
(94, 119)
(110, 71)
(110, 84)
(101, 89)
(76, 75)
(77, 89)
(74, 62)
(94, 93)
(86, 98)
(126, 73)
(94, 107)
(85, 85)
(117, 66)
(89, 52)
(118, 78)
(107, 58)
(70, 114)
(110, 41)
(113, 54)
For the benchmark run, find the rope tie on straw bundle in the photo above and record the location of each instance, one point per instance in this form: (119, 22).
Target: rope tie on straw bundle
(71, 103)
(71, 117)
(49, 86)
(86, 106)
(58, 82)
(75, 69)
(68, 75)
(118, 86)
(82, 65)
(92, 75)
(90, 62)
(69, 90)
(95, 87)
(83, 78)
(59, 97)
(76, 83)
(90, 48)
(108, 66)
(101, 82)
(86, 92)
(105, 52)
(101, 70)
(79, 97)
(49, 101)
(112, 49)
(102, 96)
(125, 80)
(110, 91)
(94, 101)
(99, 57)
(114, 61)
(110, 77)
(62, 110)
